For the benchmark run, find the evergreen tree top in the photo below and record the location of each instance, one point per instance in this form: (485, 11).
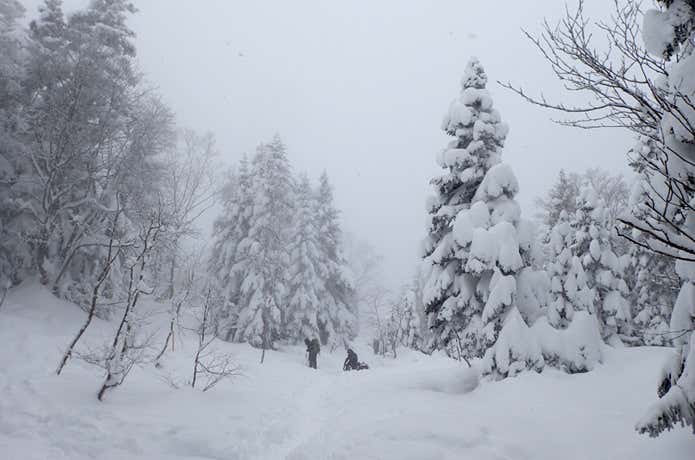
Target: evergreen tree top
(474, 76)
(474, 121)
(304, 185)
(51, 21)
(106, 19)
(588, 199)
(10, 11)
(325, 191)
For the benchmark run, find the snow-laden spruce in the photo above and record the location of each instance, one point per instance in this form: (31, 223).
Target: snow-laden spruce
(569, 288)
(651, 276)
(450, 294)
(569, 334)
(502, 249)
(562, 197)
(604, 271)
(263, 253)
(410, 328)
(277, 258)
(337, 318)
(482, 291)
(226, 259)
(305, 286)
(404, 322)
(653, 286)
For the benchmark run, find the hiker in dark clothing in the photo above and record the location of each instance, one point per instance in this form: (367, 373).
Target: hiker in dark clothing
(352, 363)
(313, 348)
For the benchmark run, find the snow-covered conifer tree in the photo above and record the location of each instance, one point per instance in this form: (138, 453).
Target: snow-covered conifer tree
(226, 259)
(410, 334)
(482, 291)
(570, 292)
(501, 250)
(305, 287)
(263, 253)
(13, 253)
(562, 196)
(569, 334)
(603, 269)
(402, 326)
(654, 287)
(337, 319)
(453, 294)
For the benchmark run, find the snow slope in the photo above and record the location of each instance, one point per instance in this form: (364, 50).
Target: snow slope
(416, 407)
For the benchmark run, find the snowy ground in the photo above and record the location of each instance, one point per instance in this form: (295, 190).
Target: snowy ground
(416, 407)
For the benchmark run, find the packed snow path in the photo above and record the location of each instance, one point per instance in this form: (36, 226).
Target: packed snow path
(415, 407)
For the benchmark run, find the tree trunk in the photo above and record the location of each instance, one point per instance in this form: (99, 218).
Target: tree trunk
(172, 272)
(110, 259)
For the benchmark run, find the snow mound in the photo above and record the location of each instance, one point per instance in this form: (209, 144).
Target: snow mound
(454, 381)
(515, 351)
(575, 349)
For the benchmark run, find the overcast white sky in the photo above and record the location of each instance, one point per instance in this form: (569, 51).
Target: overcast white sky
(359, 88)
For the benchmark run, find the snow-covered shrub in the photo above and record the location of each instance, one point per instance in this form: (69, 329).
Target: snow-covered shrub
(515, 350)
(402, 328)
(576, 348)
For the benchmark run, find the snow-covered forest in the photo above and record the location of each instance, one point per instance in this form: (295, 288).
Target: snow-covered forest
(165, 296)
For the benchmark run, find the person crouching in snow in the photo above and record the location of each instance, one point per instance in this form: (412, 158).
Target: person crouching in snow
(352, 363)
(313, 348)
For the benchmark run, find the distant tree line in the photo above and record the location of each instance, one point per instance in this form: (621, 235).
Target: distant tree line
(277, 256)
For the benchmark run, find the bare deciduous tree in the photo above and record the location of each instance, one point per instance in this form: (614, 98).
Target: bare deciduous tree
(175, 310)
(190, 188)
(114, 251)
(125, 351)
(621, 80)
(209, 365)
(377, 301)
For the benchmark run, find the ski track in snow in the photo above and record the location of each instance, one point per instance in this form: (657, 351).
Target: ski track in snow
(309, 412)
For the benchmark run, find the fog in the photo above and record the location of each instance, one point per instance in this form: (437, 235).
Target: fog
(359, 89)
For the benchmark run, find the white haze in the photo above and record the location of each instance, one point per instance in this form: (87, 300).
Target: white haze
(359, 88)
